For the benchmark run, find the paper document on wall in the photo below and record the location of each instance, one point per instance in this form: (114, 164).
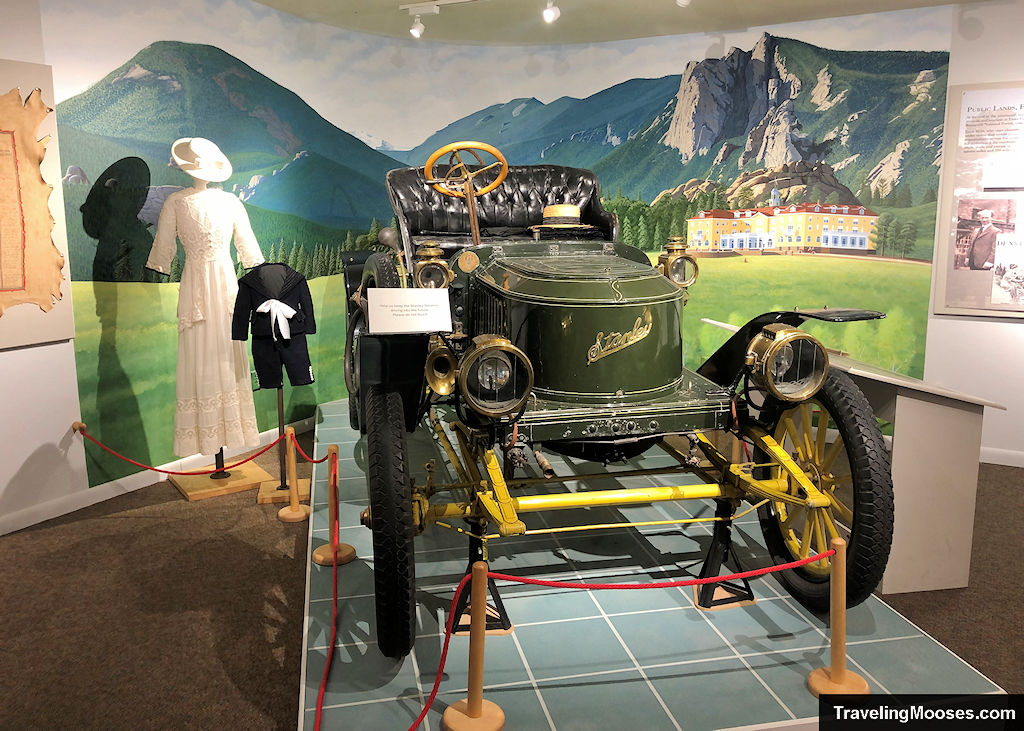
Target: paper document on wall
(407, 311)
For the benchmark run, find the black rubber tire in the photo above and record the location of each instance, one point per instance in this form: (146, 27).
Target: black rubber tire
(390, 493)
(378, 271)
(355, 318)
(870, 536)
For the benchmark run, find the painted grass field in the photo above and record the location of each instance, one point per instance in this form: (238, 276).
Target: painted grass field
(126, 341)
(126, 349)
(735, 289)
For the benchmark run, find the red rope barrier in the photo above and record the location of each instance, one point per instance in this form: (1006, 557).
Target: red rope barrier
(667, 584)
(578, 585)
(308, 458)
(129, 460)
(444, 652)
(332, 484)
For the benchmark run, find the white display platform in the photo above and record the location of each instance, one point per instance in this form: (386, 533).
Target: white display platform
(936, 448)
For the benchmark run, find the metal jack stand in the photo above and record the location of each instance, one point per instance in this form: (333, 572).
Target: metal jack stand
(723, 593)
(497, 618)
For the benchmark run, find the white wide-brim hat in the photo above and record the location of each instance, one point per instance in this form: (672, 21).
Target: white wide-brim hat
(201, 159)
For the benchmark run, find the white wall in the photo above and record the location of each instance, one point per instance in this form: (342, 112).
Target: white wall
(983, 356)
(42, 464)
(21, 33)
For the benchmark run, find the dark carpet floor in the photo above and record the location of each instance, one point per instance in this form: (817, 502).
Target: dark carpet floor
(150, 612)
(983, 623)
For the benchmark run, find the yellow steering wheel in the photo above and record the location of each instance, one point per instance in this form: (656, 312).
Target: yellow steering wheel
(459, 177)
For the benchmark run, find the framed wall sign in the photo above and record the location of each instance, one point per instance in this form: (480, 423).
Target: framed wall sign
(979, 256)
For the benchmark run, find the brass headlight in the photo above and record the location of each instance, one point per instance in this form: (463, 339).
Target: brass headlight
(440, 368)
(788, 362)
(676, 264)
(495, 377)
(431, 270)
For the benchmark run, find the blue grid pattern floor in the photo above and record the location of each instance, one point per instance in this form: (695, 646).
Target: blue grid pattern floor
(589, 659)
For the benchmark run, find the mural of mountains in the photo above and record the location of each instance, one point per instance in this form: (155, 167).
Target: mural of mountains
(875, 116)
(285, 156)
(567, 131)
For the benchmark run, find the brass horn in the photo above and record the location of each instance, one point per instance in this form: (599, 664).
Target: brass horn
(441, 370)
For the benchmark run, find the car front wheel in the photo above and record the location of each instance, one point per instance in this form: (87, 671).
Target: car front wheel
(390, 492)
(835, 439)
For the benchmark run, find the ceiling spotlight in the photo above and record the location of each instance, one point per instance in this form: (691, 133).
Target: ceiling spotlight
(551, 12)
(683, 3)
(417, 28)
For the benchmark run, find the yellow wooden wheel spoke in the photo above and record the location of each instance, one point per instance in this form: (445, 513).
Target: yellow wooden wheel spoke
(823, 539)
(806, 418)
(787, 521)
(834, 451)
(842, 510)
(822, 437)
(794, 435)
(830, 525)
(806, 538)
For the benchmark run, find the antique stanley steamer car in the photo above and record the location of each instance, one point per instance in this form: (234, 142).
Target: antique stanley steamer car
(566, 341)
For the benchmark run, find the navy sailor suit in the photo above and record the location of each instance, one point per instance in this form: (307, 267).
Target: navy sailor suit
(275, 299)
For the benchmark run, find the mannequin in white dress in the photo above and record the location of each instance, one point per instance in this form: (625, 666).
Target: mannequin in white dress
(214, 392)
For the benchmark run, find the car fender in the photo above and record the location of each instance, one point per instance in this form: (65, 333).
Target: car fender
(352, 263)
(395, 362)
(726, 363)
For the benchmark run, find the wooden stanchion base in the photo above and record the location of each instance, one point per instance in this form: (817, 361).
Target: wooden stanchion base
(287, 515)
(820, 682)
(492, 718)
(324, 555)
(269, 492)
(199, 487)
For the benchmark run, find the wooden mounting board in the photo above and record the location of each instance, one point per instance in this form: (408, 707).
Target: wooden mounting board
(199, 487)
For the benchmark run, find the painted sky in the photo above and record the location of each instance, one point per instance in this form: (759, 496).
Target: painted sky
(367, 84)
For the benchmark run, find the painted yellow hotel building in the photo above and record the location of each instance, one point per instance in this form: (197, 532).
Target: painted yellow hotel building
(820, 227)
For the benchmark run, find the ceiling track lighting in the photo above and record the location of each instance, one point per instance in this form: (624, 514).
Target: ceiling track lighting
(551, 12)
(416, 10)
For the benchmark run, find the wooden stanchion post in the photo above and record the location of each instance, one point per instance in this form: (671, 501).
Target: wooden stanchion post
(474, 713)
(325, 555)
(294, 511)
(837, 679)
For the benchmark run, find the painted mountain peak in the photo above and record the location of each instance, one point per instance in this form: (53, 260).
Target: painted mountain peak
(285, 155)
(874, 116)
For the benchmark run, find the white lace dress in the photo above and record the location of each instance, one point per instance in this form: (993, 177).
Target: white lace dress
(214, 406)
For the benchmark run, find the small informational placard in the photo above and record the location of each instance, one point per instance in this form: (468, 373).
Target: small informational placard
(979, 258)
(408, 311)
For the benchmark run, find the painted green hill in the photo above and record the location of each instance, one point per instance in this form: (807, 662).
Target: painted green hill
(170, 90)
(568, 131)
(345, 194)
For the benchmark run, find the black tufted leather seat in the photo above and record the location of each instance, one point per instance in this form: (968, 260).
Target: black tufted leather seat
(507, 211)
